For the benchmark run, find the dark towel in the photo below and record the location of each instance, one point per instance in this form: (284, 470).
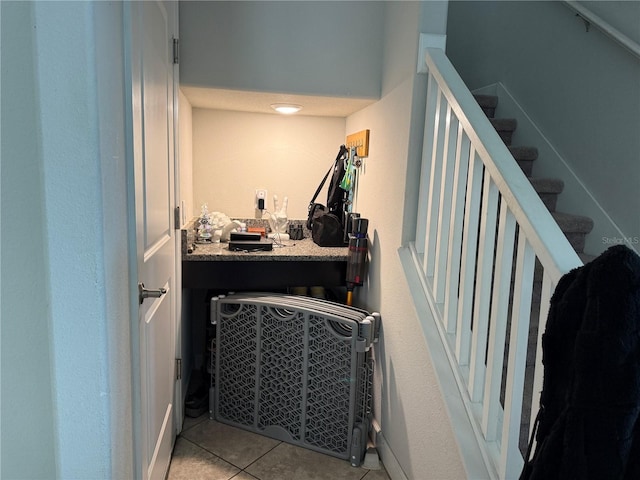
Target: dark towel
(590, 403)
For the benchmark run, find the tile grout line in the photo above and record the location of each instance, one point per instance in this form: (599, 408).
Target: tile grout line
(205, 449)
(227, 461)
(261, 456)
(244, 470)
(214, 454)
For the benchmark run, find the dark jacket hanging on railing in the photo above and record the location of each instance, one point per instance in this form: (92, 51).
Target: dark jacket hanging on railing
(589, 421)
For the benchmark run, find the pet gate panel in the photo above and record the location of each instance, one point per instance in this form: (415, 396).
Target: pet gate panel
(295, 369)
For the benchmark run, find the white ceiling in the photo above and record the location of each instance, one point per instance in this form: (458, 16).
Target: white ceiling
(259, 102)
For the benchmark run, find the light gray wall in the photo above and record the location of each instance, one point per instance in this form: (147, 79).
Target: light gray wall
(624, 15)
(66, 323)
(27, 429)
(433, 20)
(317, 48)
(408, 402)
(114, 245)
(579, 87)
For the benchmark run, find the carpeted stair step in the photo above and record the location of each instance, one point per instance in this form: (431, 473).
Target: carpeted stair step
(505, 128)
(548, 190)
(525, 156)
(488, 103)
(574, 227)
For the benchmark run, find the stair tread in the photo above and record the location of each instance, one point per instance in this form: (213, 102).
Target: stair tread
(547, 185)
(490, 101)
(570, 223)
(524, 153)
(504, 124)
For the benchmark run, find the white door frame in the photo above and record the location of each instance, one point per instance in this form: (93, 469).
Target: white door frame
(178, 403)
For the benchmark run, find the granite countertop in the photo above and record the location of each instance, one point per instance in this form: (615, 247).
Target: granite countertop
(291, 250)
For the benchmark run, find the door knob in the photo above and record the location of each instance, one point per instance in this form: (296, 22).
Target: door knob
(146, 293)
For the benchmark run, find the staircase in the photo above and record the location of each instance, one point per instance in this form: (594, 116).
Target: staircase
(480, 231)
(574, 227)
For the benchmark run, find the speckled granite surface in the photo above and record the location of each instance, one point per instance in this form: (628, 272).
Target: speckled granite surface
(298, 250)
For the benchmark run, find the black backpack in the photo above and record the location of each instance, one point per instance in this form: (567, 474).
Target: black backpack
(327, 223)
(336, 195)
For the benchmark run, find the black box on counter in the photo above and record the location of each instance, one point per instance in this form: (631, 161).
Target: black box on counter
(264, 245)
(245, 236)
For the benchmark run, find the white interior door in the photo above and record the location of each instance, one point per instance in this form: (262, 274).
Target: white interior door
(153, 144)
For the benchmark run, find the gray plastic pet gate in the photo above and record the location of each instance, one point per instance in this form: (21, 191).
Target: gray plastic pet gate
(296, 369)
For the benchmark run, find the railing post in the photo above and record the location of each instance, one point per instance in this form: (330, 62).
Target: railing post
(545, 302)
(463, 151)
(483, 288)
(434, 185)
(427, 154)
(468, 265)
(511, 460)
(444, 216)
(499, 317)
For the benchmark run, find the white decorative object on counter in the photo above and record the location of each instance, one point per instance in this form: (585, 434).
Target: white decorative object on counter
(215, 227)
(278, 220)
(204, 225)
(225, 233)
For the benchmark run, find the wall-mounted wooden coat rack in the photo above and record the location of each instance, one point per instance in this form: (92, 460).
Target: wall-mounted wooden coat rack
(360, 140)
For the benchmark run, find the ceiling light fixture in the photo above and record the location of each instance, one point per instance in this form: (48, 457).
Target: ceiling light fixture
(286, 108)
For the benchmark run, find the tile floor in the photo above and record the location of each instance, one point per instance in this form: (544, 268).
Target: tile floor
(210, 450)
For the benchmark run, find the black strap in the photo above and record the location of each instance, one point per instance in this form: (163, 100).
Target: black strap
(315, 195)
(342, 151)
(527, 467)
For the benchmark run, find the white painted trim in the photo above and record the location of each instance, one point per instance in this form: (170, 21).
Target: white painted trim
(389, 460)
(533, 217)
(179, 395)
(495, 455)
(487, 90)
(429, 40)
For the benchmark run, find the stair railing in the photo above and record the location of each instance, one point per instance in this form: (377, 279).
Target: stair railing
(616, 35)
(480, 228)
